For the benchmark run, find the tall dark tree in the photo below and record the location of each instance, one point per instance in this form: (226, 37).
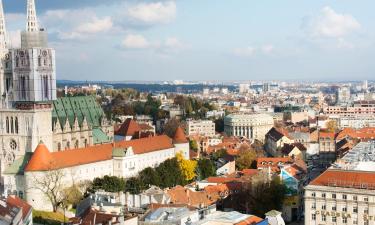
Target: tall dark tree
(149, 177)
(170, 173)
(205, 168)
(133, 185)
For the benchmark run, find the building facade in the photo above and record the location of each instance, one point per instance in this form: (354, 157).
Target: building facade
(253, 126)
(200, 127)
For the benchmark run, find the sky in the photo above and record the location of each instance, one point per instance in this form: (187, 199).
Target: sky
(153, 40)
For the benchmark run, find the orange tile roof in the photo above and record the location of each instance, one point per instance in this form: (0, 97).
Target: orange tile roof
(250, 221)
(346, 178)
(364, 133)
(16, 201)
(179, 136)
(128, 128)
(43, 160)
(330, 135)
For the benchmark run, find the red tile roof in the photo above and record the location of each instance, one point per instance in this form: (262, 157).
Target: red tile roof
(179, 136)
(42, 159)
(15, 201)
(128, 128)
(364, 133)
(346, 178)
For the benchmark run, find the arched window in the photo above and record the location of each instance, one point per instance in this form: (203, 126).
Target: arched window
(11, 125)
(16, 125)
(67, 145)
(76, 144)
(7, 124)
(39, 61)
(59, 146)
(85, 143)
(17, 61)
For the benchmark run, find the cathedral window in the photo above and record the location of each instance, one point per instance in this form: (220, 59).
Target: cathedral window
(23, 87)
(16, 125)
(39, 61)
(17, 61)
(13, 145)
(85, 143)
(7, 124)
(45, 87)
(11, 125)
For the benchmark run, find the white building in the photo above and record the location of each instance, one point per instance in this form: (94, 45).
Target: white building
(123, 159)
(200, 127)
(345, 193)
(253, 126)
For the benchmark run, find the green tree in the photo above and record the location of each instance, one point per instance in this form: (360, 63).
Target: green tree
(149, 177)
(193, 145)
(258, 198)
(222, 153)
(109, 184)
(246, 159)
(205, 168)
(170, 173)
(72, 196)
(133, 185)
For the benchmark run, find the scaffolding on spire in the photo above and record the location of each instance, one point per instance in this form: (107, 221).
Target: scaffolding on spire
(32, 21)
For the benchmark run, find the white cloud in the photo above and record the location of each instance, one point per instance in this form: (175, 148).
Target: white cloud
(247, 51)
(95, 26)
(135, 41)
(174, 43)
(253, 50)
(153, 13)
(330, 24)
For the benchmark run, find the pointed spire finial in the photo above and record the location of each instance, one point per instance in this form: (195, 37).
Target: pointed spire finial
(32, 21)
(3, 32)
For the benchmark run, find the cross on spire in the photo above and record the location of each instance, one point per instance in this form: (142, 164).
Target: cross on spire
(3, 33)
(32, 21)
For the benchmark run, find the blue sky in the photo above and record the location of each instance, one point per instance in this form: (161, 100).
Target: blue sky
(206, 39)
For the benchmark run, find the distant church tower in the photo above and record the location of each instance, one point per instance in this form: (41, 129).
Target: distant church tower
(3, 52)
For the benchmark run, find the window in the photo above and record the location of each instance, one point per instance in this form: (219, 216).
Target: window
(333, 195)
(355, 198)
(324, 217)
(334, 219)
(323, 195)
(365, 211)
(313, 217)
(344, 197)
(324, 207)
(355, 209)
(7, 124)
(355, 222)
(11, 125)
(16, 125)
(13, 145)
(333, 208)
(365, 199)
(59, 146)
(313, 206)
(313, 194)
(344, 209)
(39, 61)
(344, 220)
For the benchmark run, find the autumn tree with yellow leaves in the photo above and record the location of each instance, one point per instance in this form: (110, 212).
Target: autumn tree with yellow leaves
(187, 167)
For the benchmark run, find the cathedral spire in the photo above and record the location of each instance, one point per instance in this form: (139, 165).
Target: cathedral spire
(32, 21)
(3, 33)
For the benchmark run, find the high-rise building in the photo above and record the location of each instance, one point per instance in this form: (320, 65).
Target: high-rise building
(244, 88)
(343, 95)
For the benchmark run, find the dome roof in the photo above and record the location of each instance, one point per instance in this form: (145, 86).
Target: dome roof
(41, 158)
(179, 136)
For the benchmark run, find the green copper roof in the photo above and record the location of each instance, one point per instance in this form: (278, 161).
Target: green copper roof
(80, 107)
(18, 166)
(118, 152)
(99, 136)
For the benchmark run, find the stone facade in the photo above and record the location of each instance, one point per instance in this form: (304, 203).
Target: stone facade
(253, 126)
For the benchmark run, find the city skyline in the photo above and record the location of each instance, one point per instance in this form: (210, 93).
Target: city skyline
(191, 40)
